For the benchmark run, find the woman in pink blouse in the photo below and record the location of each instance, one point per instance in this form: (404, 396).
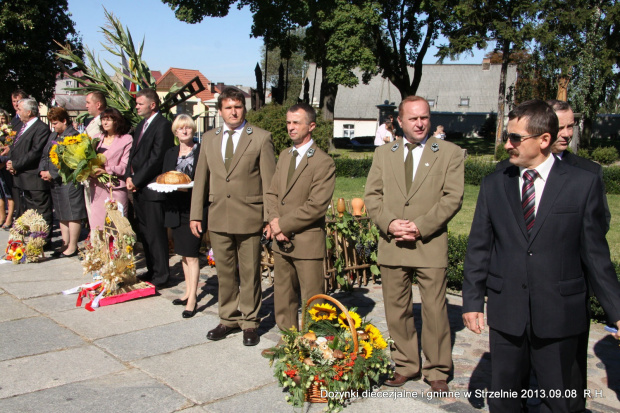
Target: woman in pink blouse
(115, 145)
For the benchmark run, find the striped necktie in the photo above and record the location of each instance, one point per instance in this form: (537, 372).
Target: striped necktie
(528, 198)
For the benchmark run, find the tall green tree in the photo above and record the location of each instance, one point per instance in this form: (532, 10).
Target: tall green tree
(510, 23)
(28, 32)
(581, 39)
(337, 34)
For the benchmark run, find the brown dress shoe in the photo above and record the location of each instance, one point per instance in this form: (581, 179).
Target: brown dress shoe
(439, 386)
(250, 337)
(399, 380)
(221, 331)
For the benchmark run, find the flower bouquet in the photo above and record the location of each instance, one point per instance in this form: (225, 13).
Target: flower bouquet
(332, 357)
(27, 238)
(7, 134)
(76, 158)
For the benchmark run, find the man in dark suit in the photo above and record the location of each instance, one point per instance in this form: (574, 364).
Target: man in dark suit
(29, 190)
(301, 190)
(566, 119)
(414, 188)
(233, 174)
(152, 138)
(536, 223)
(16, 96)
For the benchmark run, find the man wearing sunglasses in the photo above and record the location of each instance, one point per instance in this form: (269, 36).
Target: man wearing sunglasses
(537, 222)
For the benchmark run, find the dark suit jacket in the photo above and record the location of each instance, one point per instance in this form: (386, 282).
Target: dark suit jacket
(178, 202)
(581, 163)
(45, 164)
(26, 155)
(540, 277)
(16, 123)
(147, 156)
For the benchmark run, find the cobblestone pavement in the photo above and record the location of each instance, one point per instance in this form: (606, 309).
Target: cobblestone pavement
(142, 355)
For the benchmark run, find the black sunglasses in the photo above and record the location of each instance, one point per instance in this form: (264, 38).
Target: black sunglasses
(516, 138)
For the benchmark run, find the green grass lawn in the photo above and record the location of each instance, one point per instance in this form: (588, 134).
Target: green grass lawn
(349, 188)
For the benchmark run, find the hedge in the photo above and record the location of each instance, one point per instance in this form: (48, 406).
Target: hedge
(457, 248)
(475, 169)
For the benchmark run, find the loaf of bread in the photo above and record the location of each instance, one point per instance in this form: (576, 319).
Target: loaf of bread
(173, 178)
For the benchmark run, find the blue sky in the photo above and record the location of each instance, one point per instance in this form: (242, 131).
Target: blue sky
(221, 48)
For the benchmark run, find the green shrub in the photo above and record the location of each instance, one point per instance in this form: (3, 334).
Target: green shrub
(476, 169)
(605, 155)
(501, 154)
(611, 178)
(272, 117)
(353, 168)
(584, 153)
(457, 247)
(596, 311)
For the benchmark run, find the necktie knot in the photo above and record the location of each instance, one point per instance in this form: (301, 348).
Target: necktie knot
(530, 175)
(295, 154)
(411, 146)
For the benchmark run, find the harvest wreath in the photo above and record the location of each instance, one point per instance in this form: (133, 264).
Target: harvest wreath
(332, 353)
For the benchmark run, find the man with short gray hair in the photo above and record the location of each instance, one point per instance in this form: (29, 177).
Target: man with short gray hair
(29, 190)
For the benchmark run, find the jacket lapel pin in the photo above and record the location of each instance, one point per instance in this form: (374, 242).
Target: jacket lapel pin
(434, 147)
(395, 147)
(217, 132)
(249, 130)
(310, 153)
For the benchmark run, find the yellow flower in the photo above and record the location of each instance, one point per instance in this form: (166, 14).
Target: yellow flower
(107, 220)
(128, 249)
(366, 349)
(342, 319)
(376, 338)
(322, 312)
(54, 156)
(18, 254)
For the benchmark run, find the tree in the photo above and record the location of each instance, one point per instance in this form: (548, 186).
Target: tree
(337, 34)
(580, 39)
(28, 30)
(295, 68)
(510, 23)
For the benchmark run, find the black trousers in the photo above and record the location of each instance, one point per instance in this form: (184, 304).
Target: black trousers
(150, 220)
(512, 358)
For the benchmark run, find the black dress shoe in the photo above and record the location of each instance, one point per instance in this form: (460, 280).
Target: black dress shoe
(57, 254)
(189, 314)
(73, 254)
(178, 301)
(221, 331)
(250, 337)
(399, 380)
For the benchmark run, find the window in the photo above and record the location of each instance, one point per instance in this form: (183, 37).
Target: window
(67, 83)
(431, 102)
(464, 102)
(348, 131)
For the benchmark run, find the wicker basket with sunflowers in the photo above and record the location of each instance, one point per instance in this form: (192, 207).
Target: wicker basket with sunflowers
(333, 357)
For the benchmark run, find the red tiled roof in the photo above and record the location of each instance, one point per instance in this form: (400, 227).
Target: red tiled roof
(156, 74)
(185, 75)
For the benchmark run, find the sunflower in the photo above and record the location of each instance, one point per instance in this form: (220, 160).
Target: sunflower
(342, 319)
(18, 254)
(54, 156)
(322, 312)
(128, 249)
(376, 338)
(366, 349)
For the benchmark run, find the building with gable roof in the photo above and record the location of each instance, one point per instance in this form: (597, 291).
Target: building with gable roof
(463, 98)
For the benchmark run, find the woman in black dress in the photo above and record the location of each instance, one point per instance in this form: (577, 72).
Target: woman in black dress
(68, 199)
(6, 179)
(183, 158)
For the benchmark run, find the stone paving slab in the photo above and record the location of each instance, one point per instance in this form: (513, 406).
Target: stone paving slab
(35, 335)
(54, 303)
(12, 309)
(52, 284)
(129, 392)
(52, 369)
(119, 318)
(269, 398)
(160, 339)
(213, 370)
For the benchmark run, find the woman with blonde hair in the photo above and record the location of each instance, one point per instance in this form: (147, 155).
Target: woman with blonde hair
(183, 158)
